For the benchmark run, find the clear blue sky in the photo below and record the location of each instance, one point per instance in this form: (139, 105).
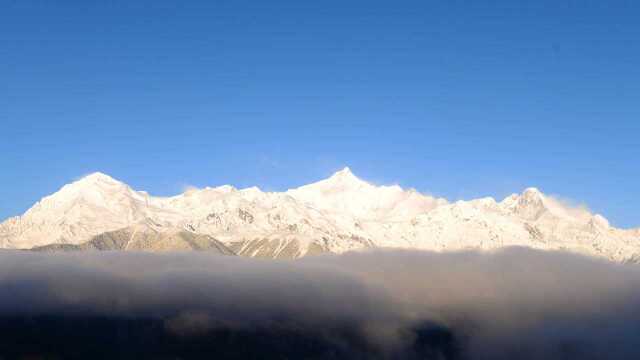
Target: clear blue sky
(458, 99)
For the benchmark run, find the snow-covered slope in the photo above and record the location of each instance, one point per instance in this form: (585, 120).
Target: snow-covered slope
(345, 194)
(337, 214)
(87, 207)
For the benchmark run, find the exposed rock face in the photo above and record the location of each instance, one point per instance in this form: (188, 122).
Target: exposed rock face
(145, 238)
(337, 214)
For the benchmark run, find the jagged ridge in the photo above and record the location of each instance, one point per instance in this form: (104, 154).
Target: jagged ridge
(337, 214)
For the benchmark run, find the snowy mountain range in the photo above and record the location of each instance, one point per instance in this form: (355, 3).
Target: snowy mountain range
(337, 214)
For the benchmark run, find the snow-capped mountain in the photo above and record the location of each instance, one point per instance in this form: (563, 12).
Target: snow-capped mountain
(337, 214)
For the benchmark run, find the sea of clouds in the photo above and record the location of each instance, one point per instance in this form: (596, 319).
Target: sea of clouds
(510, 304)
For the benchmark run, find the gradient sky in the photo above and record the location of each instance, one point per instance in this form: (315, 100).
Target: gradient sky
(455, 99)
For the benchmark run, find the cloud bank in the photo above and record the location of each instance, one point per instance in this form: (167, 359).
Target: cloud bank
(514, 303)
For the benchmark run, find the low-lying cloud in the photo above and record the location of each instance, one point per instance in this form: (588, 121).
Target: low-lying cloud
(514, 303)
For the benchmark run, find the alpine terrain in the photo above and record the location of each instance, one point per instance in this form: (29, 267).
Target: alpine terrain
(337, 214)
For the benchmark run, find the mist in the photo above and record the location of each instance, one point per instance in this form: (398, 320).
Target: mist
(512, 303)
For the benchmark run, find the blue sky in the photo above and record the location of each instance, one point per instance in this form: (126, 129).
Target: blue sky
(456, 99)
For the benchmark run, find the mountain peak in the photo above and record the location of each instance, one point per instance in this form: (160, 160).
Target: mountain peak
(343, 180)
(344, 173)
(96, 187)
(97, 177)
(532, 191)
(532, 194)
(345, 176)
(530, 204)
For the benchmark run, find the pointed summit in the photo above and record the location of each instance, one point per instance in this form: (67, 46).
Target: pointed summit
(531, 196)
(341, 180)
(92, 181)
(345, 175)
(532, 192)
(344, 172)
(529, 205)
(95, 188)
(97, 176)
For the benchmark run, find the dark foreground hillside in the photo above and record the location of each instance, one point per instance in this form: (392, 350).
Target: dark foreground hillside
(55, 337)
